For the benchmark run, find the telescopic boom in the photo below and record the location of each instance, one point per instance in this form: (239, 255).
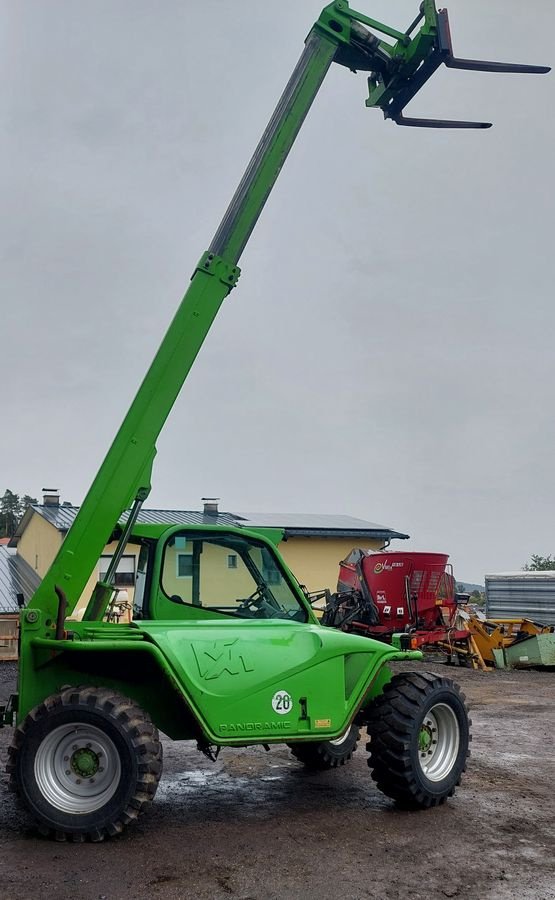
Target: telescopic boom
(397, 70)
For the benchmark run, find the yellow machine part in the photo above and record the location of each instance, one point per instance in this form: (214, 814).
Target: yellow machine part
(496, 634)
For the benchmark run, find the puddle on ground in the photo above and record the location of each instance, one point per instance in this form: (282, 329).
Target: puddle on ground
(192, 777)
(189, 782)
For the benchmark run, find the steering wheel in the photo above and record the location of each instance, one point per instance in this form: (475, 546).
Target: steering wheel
(259, 603)
(256, 599)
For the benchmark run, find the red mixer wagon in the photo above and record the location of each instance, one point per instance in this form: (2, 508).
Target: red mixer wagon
(411, 595)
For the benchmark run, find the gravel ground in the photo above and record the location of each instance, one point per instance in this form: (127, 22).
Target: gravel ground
(257, 825)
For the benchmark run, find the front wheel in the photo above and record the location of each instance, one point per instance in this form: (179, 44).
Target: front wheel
(85, 762)
(419, 734)
(327, 754)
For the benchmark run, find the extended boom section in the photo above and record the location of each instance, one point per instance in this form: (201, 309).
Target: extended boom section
(397, 71)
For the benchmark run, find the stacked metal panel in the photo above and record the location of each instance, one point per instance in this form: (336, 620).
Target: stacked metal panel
(517, 595)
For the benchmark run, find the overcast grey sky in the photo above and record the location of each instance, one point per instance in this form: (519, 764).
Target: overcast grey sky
(388, 353)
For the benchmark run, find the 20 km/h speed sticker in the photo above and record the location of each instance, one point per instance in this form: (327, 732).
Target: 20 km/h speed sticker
(282, 703)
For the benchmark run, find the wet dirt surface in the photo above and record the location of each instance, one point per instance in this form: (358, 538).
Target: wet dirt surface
(258, 825)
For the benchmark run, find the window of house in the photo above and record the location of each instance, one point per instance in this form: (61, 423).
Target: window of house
(125, 572)
(184, 563)
(232, 561)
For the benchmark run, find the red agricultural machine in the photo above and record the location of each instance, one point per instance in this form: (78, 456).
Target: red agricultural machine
(411, 596)
(410, 600)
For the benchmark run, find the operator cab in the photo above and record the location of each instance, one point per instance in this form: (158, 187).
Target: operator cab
(226, 574)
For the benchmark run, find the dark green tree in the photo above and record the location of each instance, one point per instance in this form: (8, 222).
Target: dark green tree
(26, 502)
(10, 513)
(540, 563)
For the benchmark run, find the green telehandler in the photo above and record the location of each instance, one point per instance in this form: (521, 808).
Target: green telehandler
(225, 648)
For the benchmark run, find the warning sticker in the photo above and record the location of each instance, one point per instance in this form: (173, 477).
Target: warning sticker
(322, 723)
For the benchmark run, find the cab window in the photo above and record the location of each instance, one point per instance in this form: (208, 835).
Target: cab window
(228, 574)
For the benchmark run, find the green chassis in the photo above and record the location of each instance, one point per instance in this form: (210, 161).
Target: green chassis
(199, 673)
(203, 675)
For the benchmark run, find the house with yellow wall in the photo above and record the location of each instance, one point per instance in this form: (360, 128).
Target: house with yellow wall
(312, 545)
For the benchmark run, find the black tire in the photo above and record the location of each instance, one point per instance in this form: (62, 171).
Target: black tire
(327, 754)
(419, 734)
(55, 763)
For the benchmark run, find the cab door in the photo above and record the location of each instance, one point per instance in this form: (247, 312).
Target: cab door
(253, 661)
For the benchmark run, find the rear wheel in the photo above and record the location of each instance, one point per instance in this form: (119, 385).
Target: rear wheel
(86, 762)
(327, 754)
(419, 739)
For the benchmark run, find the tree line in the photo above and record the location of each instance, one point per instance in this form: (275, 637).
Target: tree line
(12, 507)
(540, 564)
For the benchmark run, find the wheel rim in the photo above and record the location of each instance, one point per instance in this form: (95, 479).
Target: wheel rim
(438, 742)
(77, 768)
(341, 740)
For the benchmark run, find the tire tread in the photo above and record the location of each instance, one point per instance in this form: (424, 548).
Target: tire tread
(144, 739)
(321, 755)
(391, 729)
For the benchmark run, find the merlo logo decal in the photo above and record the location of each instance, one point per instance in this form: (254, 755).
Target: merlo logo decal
(216, 657)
